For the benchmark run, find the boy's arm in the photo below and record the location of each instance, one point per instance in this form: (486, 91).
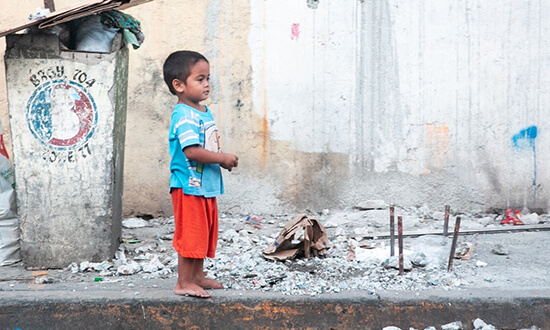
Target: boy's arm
(201, 155)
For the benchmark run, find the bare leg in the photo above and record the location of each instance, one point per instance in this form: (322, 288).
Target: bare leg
(186, 284)
(201, 280)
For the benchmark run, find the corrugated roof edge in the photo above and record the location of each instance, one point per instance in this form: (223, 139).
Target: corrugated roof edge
(77, 10)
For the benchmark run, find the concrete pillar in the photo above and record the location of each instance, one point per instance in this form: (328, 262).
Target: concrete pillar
(67, 118)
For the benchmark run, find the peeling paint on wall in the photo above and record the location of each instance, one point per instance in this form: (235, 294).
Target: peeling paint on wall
(437, 146)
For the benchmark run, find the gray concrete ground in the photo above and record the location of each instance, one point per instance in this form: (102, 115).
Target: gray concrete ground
(509, 289)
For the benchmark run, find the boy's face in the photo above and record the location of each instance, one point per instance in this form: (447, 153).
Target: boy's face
(197, 86)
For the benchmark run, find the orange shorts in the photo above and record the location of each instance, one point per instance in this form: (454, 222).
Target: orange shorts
(196, 220)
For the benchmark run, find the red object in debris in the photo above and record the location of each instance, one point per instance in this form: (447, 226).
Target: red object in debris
(512, 217)
(255, 221)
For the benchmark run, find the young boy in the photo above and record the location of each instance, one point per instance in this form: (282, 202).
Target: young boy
(195, 179)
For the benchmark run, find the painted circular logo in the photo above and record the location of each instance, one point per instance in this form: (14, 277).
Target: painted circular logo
(62, 115)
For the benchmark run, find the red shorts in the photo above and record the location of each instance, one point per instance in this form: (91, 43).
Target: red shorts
(196, 220)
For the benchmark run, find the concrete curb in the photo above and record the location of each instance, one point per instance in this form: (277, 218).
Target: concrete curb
(228, 309)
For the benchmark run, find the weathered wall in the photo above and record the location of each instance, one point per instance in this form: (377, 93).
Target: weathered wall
(428, 101)
(67, 114)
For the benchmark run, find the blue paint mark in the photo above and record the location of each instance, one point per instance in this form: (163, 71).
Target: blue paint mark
(526, 139)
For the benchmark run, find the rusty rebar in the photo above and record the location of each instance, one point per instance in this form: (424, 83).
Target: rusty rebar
(446, 222)
(400, 240)
(453, 245)
(392, 231)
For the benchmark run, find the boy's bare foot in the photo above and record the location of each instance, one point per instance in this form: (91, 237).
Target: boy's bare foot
(192, 290)
(207, 283)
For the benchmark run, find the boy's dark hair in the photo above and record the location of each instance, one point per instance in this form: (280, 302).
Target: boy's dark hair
(178, 66)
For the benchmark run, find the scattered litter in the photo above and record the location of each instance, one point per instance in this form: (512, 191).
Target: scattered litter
(512, 218)
(133, 223)
(372, 205)
(167, 237)
(452, 326)
(377, 255)
(240, 264)
(393, 262)
(530, 219)
(73, 268)
(143, 249)
(500, 250)
(479, 324)
(153, 264)
(40, 13)
(43, 280)
(480, 263)
(313, 240)
(111, 281)
(368, 245)
(464, 251)
(130, 241)
(91, 35)
(129, 269)
(419, 259)
(256, 222)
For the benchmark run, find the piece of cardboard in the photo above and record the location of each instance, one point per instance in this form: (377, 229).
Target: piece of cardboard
(77, 10)
(78, 14)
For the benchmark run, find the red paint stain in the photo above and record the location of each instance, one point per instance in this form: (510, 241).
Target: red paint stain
(295, 31)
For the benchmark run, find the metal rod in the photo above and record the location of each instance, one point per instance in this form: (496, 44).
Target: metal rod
(446, 223)
(49, 4)
(453, 245)
(400, 240)
(498, 230)
(392, 231)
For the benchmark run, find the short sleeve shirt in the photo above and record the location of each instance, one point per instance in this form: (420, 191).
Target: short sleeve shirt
(189, 127)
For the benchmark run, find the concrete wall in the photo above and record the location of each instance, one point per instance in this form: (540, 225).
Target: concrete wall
(329, 103)
(67, 115)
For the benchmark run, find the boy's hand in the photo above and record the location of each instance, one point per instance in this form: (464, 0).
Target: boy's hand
(229, 161)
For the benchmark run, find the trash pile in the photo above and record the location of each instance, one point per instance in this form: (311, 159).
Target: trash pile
(357, 256)
(87, 26)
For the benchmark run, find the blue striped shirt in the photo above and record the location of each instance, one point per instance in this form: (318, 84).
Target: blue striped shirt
(189, 127)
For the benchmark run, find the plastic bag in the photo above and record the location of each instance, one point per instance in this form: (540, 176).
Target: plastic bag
(9, 222)
(94, 36)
